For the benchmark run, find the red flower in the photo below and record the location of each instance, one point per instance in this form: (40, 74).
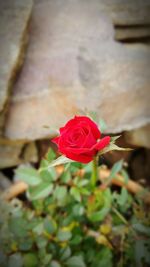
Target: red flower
(79, 139)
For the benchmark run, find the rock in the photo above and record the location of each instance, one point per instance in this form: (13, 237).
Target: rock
(4, 182)
(139, 166)
(73, 64)
(130, 12)
(30, 153)
(139, 137)
(14, 18)
(132, 33)
(14, 153)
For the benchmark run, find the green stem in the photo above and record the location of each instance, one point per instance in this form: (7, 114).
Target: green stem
(94, 173)
(120, 216)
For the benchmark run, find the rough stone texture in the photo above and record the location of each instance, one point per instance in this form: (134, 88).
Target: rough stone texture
(139, 137)
(14, 153)
(14, 17)
(132, 33)
(130, 12)
(74, 64)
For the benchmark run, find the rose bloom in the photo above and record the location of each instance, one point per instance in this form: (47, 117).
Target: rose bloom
(80, 140)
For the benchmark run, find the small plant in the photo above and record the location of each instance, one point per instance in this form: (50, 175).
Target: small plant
(73, 218)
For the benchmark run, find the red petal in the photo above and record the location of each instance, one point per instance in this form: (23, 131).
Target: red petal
(92, 124)
(102, 143)
(55, 140)
(80, 158)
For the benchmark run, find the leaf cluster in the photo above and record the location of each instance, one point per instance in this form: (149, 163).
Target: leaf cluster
(67, 223)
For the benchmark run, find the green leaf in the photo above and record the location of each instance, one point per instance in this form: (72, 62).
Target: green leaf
(113, 146)
(15, 260)
(46, 259)
(50, 225)
(55, 264)
(28, 174)
(99, 216)
(123, 198)
(38, 229)
(40, 191)
(48, 175)
(30, 260)
(59, 161)
(65, 253)
(141, 228)
(115, 169)
(26, 244)
(75, 193)
(93, 116)
(103, 258)
(83, 182)
(51, 155)
(125, 175)
(102, 125)
(114, 138)
(60, 192)
(78, 210)
(75, 261)
(66, 176)
(141, 252)
(76, 240)
(64, 235)
(18, 226)
(41, 242)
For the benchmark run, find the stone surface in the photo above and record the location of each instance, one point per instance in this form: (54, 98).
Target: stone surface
(139, 137)
(132, 33)
(74, 64)
(130, 12)
(4, 182)
(14, 17)
(14, 153)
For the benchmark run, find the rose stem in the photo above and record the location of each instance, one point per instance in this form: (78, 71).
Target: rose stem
(94, 172)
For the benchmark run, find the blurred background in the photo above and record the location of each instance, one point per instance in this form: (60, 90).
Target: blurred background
(66, 57)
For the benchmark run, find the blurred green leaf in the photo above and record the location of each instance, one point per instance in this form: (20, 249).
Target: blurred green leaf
(83, 182)
(26, 244)
(75, 193)
(50, 225)
(15, 260)
(41, 242)
(55, 264)
(59, 161)
(99, 216)
(18, 226)
(40, 191)
(78, 210)
(141, 228)
(65, 253)
(103, 258)
(75, 261)
(51, 155)
(60, 192)
(116, 168)
(47, 174)
(142, 252)
(102, 125)
(125, 175)
(66, 176)
(64, 235)
(123, 197)
(30, 260)
(28, 174)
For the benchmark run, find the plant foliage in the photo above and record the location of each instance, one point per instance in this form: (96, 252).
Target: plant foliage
(66, 223)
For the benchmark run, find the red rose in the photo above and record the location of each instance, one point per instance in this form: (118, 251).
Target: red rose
(79, 139)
